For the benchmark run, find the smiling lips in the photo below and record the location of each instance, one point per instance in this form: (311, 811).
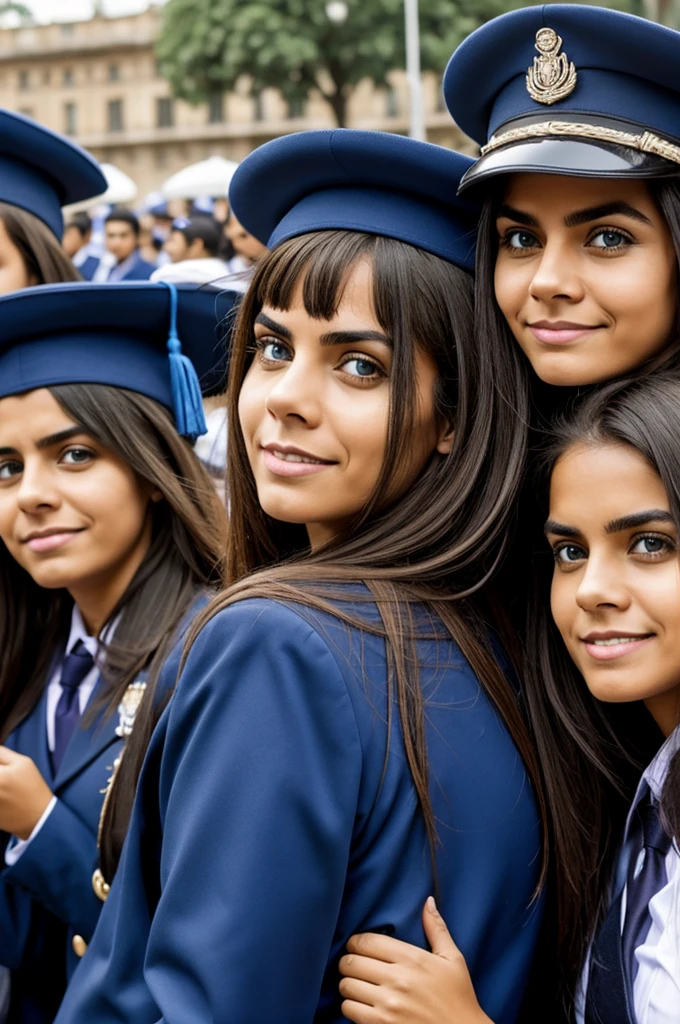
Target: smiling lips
(49, 540)
(287, 460)
(560, 332)
(612, 645)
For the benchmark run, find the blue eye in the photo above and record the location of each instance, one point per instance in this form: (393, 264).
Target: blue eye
(361, 367)
(519, 239)
(77, 456)
(271, 350)
(568, 554)
(9, 469)
(609, 239)
(651, 546)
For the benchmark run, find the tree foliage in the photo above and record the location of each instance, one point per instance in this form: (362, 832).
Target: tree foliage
(206, 46)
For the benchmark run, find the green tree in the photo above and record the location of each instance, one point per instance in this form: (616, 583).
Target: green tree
(23, 12)
(207, 45)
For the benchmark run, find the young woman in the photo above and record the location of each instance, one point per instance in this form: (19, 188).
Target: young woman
(605, 694)
(111, 533)
(576, 111)
(344, 735)
(40, 172)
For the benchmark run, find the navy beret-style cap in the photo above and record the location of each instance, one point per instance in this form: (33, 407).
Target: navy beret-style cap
(569, 89)
(350, 180)
(41, 171)
(117, 334)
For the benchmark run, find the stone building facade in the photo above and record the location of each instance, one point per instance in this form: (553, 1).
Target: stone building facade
(98, 82)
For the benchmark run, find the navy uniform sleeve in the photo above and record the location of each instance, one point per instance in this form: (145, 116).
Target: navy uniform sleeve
(258, 793)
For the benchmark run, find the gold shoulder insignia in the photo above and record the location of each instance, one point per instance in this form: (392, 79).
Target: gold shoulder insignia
(552, 76)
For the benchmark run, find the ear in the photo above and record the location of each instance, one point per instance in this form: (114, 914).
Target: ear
(446, 436)
(156, 495)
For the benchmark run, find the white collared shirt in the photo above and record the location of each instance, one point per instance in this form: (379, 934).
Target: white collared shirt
(656, 990)
(78, 632)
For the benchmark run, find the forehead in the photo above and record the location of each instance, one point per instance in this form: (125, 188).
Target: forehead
(355, 302)
(32, 412)
(591, 485)
(554, 193)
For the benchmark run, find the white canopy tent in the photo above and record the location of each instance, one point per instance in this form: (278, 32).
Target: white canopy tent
(121, 189)
(210, 177)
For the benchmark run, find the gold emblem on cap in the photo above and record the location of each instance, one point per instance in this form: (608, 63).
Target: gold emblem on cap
(552, 76)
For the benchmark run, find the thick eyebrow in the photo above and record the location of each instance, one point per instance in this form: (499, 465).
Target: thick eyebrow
(50, 440)
(631, 522)
(354, 337)
(561, 529)
(573, 220)
(652, 515)
(519, 215)
(272, 325)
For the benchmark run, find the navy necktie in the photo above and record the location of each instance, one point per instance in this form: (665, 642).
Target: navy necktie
(641, 888)
(612, 961)
(74, 668)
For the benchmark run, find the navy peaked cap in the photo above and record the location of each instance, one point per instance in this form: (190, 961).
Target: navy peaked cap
(41, 171)
(351, 180)
(115, 334)
(569, 89)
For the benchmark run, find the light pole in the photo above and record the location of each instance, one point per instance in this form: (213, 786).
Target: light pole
(415, 90)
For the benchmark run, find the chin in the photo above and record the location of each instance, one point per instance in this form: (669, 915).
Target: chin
(569, 372)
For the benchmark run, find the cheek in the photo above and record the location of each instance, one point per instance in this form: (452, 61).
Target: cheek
(252, 405)
(510, 286)
(563, 605)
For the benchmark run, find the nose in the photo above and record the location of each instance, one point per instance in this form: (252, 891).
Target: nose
(296, 394)
(37, 491)
(602, 586)
(557, 275)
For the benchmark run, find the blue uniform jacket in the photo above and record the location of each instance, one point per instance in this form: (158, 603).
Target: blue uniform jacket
(47, 898)
(272, 822)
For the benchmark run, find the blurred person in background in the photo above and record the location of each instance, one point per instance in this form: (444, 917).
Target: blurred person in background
(193, 247)
(123, 260)
(76, 243)
(249, 248)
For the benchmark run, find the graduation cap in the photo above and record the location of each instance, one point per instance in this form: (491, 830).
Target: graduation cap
(569, 89)
(41, 171)
(126, 335)
(351, 180)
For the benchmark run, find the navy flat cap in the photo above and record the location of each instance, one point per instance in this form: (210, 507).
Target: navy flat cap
(350, 180)
(569, 89)
(148, 338)
(41, 171)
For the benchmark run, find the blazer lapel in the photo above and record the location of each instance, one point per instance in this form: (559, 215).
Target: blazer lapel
(87, 743)
(31, 737)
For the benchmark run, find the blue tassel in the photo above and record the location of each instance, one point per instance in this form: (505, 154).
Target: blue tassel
(186, 391)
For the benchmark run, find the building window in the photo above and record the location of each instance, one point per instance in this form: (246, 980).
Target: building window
(26, 111)
(67, 30)
(114, 73)
(70, 118)
(392, 102)
(24, 81)
(69, 78)
(165, 112)
(46, 77)
(115, 110)
(297, 107)
(216, 108)
(161, 155)
(258, 108)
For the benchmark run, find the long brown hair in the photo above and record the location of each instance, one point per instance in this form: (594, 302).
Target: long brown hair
(44, 259)
(592, 752)
(185, 556)
(437, 543)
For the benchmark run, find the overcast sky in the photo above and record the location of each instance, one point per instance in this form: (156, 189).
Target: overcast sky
(75, 10)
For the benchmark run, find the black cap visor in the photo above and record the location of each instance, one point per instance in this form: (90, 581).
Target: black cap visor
(574, 157)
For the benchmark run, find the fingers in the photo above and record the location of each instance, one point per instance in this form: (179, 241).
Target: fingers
(364, 968)
(436, 932)
(360, 1013)
(359, 991)
(383, 947)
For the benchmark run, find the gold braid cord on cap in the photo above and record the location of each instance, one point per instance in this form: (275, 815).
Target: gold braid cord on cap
(645, 143)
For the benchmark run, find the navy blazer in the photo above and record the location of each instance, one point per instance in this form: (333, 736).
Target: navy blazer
(46, 897)
(88, 268)
(276, 816)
